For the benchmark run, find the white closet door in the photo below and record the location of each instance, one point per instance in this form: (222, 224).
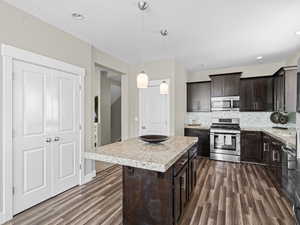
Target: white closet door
(31, 109)
(66, 99)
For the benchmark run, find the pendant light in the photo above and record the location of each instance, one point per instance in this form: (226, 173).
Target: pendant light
(142, 78)
(164, 87)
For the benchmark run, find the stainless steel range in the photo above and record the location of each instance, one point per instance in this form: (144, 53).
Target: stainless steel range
(225, 135)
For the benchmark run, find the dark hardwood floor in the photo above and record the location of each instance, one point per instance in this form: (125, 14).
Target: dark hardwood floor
(226, 194)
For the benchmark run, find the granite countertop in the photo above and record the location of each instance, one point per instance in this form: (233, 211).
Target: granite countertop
(197, 126)
(287, 137)
(138, 154)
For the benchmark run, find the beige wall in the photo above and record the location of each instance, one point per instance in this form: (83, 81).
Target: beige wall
(180, 96)
(107, 61)
(158, 70)
(24, 31)
(293, 60)
(248, 71)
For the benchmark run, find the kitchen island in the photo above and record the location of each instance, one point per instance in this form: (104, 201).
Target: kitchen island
(158, 179)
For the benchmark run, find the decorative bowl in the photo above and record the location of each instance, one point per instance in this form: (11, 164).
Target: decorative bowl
(154, 138)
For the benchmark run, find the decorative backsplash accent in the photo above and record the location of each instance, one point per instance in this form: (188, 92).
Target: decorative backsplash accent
(247, 119)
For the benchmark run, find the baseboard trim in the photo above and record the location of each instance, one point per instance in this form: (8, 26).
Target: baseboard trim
(4, 218)
(89, 177)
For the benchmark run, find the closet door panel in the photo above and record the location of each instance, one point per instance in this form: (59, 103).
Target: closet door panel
(31, 146)
(66, 135)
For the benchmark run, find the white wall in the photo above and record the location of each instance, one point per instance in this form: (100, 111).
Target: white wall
(262, 69)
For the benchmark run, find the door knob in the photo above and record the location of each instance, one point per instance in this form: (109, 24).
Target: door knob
(56, 139)
(48, 140)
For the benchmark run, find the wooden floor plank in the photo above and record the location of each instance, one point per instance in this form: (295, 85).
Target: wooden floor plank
(225, 194)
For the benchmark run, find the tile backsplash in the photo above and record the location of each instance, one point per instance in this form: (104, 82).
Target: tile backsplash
(247, 119)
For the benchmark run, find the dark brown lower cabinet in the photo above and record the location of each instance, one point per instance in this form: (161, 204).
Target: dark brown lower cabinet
(193, 165)
(275, 165)
(151, 197)
(181, 193)
(251, 146)
(203, 140)
(184, 183)
(298, 92)
(266, 148)
(272, 157)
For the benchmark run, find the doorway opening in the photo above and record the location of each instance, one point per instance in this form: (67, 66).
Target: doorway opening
(108, 113)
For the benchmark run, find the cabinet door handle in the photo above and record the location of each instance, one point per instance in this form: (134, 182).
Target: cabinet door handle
(183, 183)
(273, 156)
(266, 147)
(56, 139)
(48, 140)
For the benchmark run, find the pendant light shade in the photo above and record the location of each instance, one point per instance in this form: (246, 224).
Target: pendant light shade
(142, 80)
(164, 88)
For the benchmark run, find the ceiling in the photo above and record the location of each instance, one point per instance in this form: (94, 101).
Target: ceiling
(202, 34)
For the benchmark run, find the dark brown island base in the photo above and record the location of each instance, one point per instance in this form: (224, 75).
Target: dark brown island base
(158, 182)
(158, 198)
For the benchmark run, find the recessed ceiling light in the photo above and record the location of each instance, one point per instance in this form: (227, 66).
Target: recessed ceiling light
(77, 16)
(164, 32)
(143, 5)
(259, 57)
(298, 32)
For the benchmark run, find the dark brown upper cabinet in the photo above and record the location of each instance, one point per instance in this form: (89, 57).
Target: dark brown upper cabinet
(223, 85)
(256, 94)
(198, 97)
(285, 89)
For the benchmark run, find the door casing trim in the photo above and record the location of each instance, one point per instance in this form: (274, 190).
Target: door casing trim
(154, 83)
(8, 55)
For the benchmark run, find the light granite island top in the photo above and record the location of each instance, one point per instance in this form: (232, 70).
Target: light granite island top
(138, 154)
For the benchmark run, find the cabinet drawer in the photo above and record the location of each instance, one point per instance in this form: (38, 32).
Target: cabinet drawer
(193, 151)
(181, 163)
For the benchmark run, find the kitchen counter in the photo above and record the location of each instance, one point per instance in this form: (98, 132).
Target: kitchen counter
(138, 154)
(199, 127)
(152, 175)
(287, 137)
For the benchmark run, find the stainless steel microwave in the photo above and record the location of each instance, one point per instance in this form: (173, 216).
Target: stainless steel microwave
(231, 103)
